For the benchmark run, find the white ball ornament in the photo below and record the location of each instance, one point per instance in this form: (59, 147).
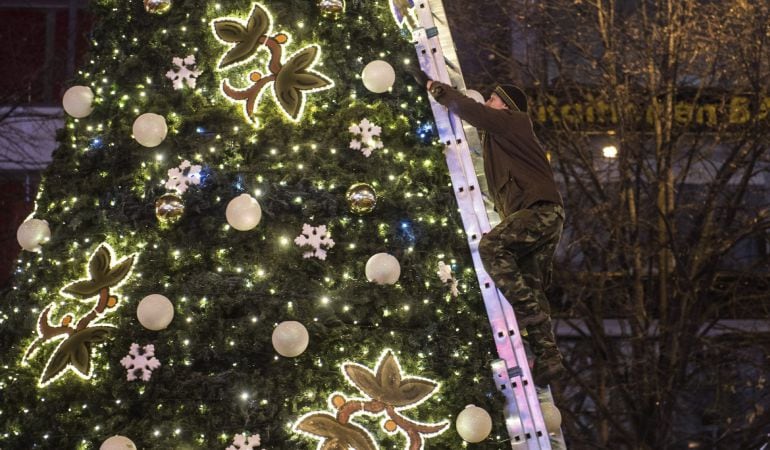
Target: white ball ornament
(474, 424)
(32, 233)
(290, 339)
(150, 129)
(78, 101)
(118, 443)
(383, 268)
(243, 212)
(476, 95)
(378, 76)
(155, 312)
(551, 416)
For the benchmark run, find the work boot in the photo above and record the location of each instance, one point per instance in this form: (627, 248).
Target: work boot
(548, 365)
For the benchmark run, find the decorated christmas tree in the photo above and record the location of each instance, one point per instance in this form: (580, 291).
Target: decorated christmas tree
(247, 239)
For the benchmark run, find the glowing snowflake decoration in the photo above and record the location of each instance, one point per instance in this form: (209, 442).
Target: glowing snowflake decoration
(180, 178)
(140, 360)
(445, 273)
(370, 137)
(185, 72)
(240, 442)
(315, 237)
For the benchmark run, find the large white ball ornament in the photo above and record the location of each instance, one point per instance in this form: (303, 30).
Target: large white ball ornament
(155, 312)
(551, 416)
(243, 212)
(78, 101)
(118, 443)
(378, 76)
(32, 233)
(476, 95)
(290, 339)
(474, 424)
(383, 268)
(150, 129)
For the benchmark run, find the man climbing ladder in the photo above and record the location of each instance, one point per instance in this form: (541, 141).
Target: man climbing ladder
(518, 252)
(528, 425)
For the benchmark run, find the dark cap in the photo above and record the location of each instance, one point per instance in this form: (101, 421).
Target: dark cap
(512, 96)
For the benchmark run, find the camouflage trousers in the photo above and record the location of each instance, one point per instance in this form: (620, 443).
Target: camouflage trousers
(518, 255)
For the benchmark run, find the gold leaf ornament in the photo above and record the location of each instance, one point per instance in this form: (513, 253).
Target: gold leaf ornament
(77, 335)
(292, 79)
(101, 273)
(387, 393)
(74, 352)
(246, 39)
(295, 78)
(334, 435)
(387, 385)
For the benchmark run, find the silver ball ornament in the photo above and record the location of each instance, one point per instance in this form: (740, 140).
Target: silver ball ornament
(118, 443)
(32, 234)
(551, 417)
(290, 339)
(243, 212)
(150, 129)
(378, 76)
(383, 269)
(78, 101)
(155, 312)
(474, 424)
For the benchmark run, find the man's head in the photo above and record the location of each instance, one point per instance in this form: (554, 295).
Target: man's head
(495, 102)
(508, 96)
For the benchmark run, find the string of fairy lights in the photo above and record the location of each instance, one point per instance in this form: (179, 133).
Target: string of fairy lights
(86, 135)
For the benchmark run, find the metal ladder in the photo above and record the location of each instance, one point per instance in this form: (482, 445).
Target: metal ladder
(524, 419)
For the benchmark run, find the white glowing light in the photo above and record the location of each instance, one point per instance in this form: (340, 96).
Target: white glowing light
(610, 151)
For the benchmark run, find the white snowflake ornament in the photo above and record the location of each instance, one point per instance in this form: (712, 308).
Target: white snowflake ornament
(241, 442)
(186, 72)
(315, 237)
(445, 273)
(180, 178)
(370, 137)
(140, 359)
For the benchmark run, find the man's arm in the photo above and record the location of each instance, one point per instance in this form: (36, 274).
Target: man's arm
(480, 116)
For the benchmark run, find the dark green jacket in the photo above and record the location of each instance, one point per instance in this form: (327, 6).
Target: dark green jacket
(518, 172)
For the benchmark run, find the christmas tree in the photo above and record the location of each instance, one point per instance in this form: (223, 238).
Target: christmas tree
(247, 238)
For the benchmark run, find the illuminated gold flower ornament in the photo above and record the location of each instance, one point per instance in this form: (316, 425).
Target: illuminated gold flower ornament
(79, 336)
(292, 79)
(388, 392)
